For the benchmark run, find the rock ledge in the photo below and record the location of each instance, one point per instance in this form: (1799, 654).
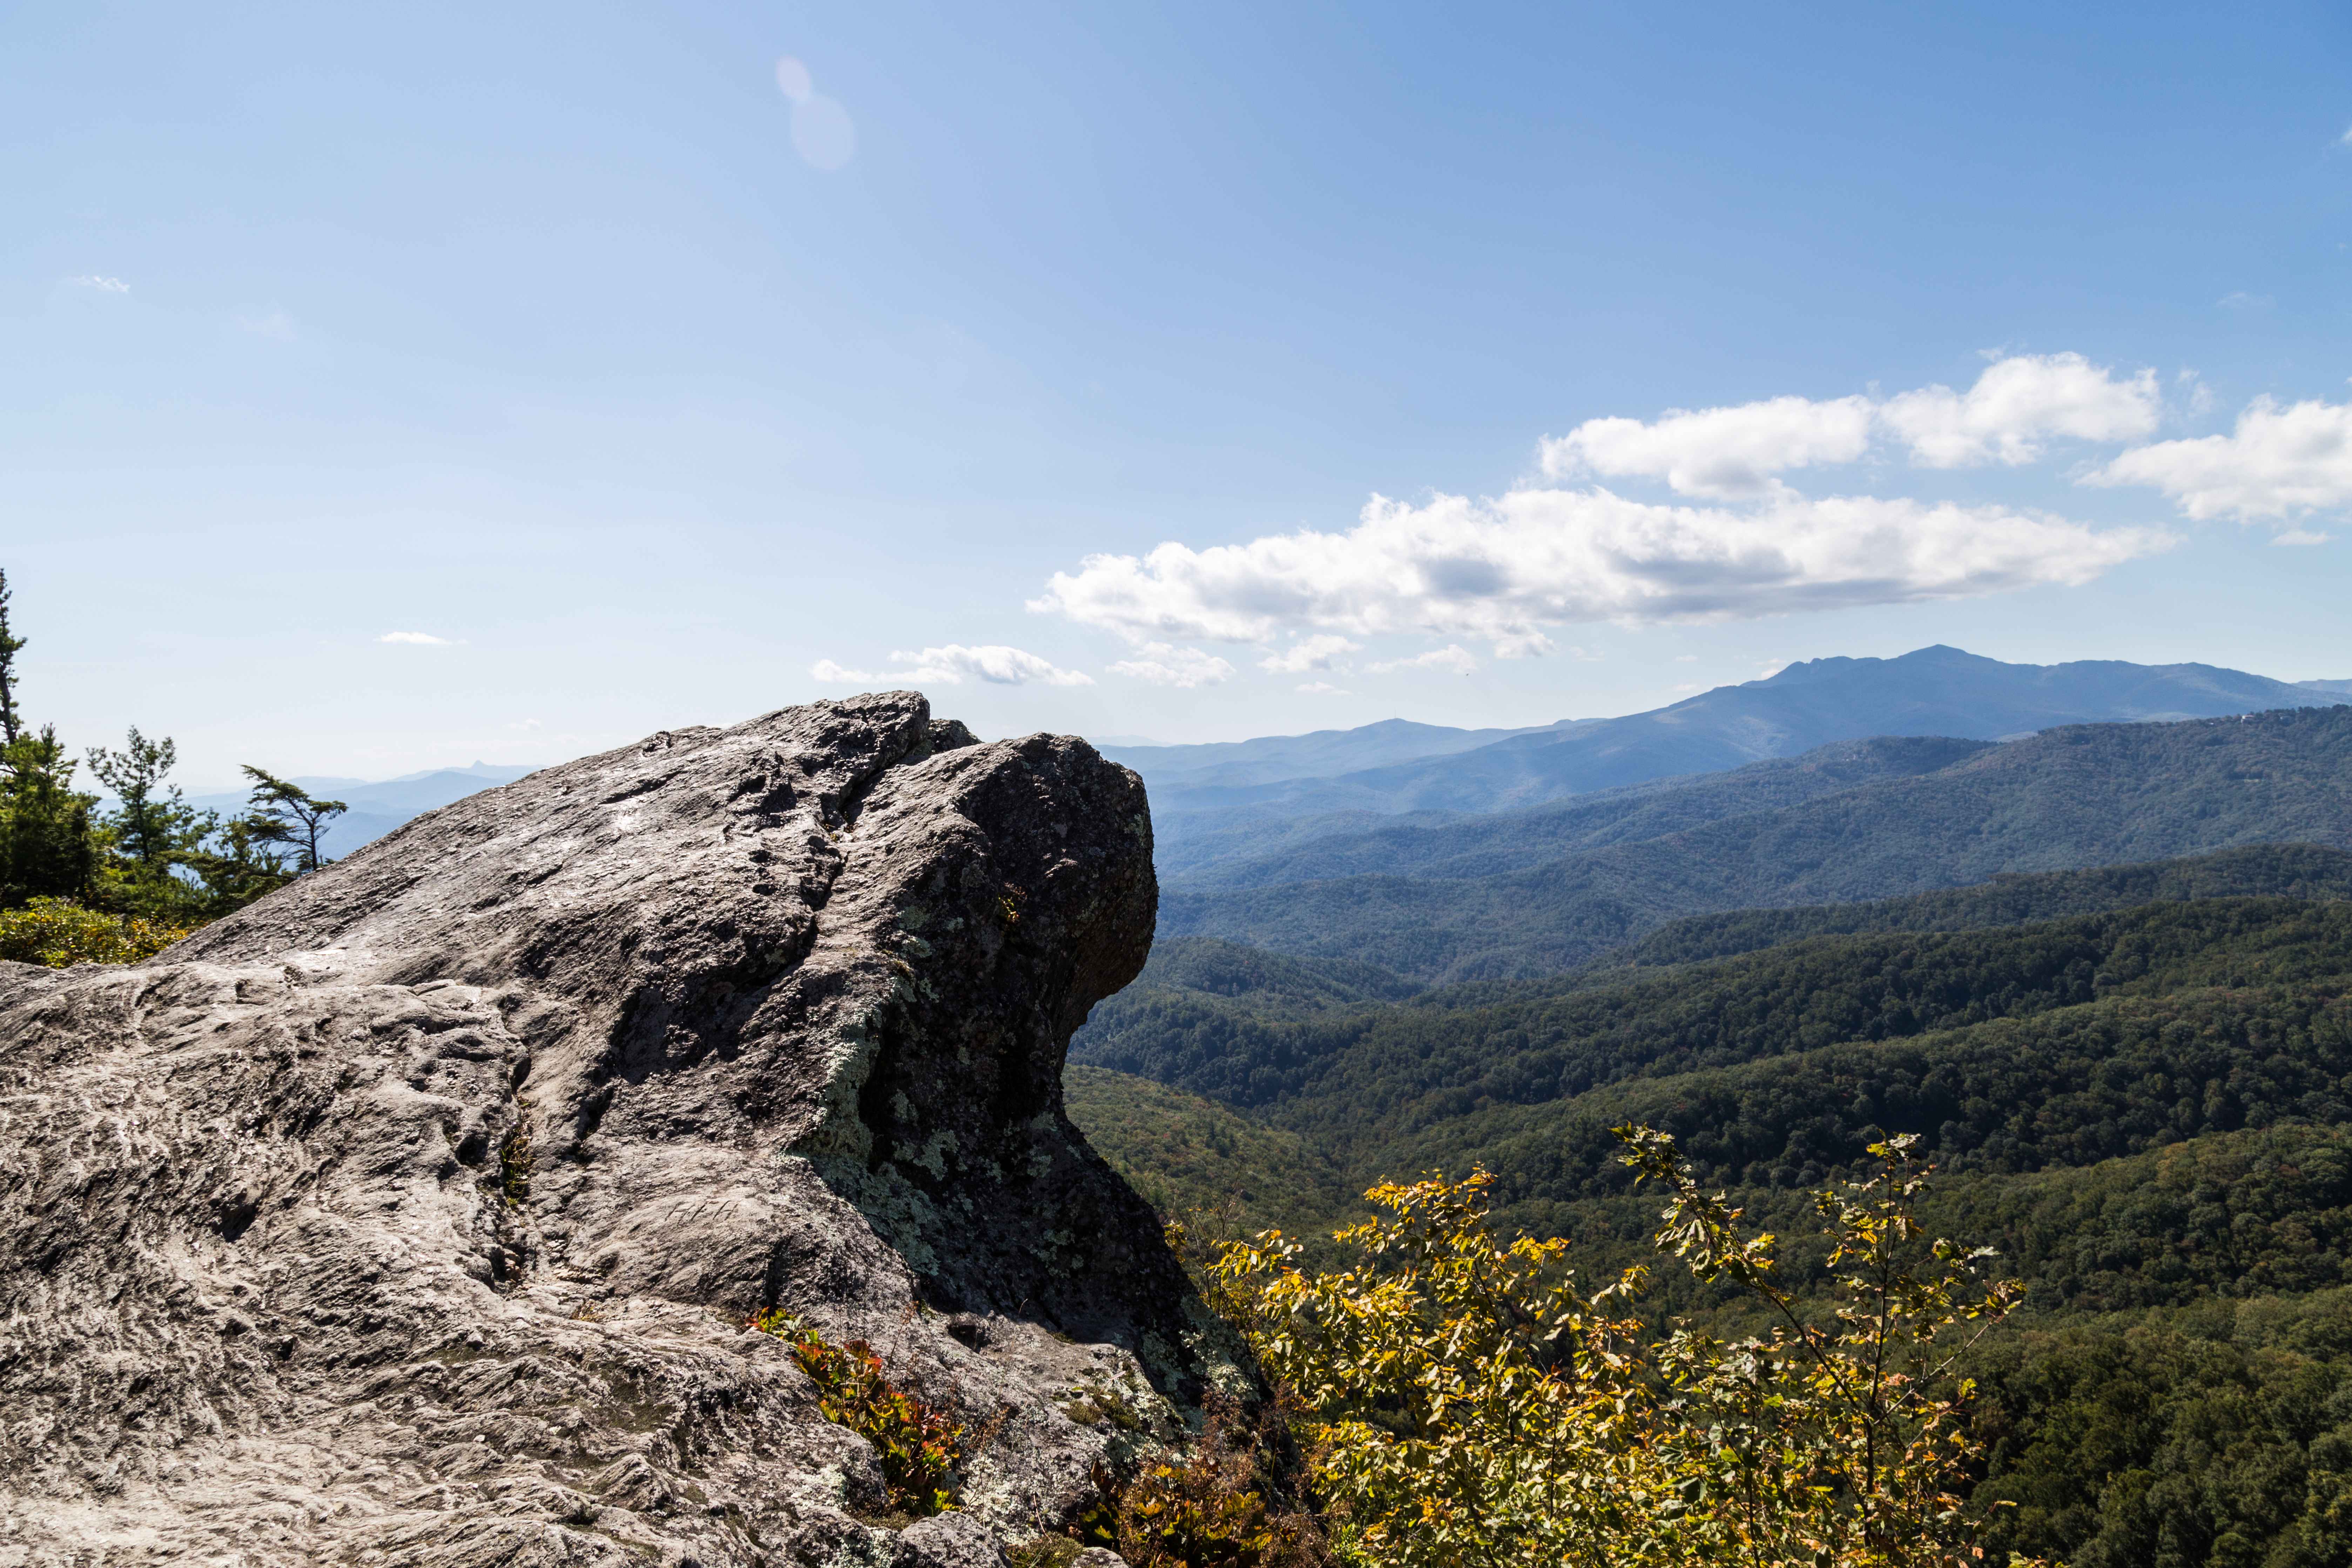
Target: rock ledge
(411, 1216)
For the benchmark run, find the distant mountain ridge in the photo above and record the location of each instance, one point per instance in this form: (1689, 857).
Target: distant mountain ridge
(1452, 847)
(1936, 690)
(375, 808)
(1272, 758)
(2082, 796)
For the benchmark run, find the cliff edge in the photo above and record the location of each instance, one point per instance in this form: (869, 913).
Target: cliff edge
(413, 1215)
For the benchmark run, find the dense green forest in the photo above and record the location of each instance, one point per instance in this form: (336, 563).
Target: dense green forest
(2137, 1081)
(2090, 795)
(85, 876)
(1241, 1035)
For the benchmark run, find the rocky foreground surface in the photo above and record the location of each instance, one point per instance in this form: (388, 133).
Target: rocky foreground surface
(414, 1216)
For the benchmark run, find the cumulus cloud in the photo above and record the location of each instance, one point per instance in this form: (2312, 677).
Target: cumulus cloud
(1163, 664)
(953, 665)
(1738, 453)
(1323, 651)
(1504, 568)
(2278, 462)
(102, 284)
(1452, 658)
(1724, 454)
(1323, 689)
(420, 639)
(2019, 403)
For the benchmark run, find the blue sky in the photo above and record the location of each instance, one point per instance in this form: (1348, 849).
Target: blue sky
(540, 332)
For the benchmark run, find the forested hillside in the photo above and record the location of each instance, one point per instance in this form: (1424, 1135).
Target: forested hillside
(2288, 870)
(1463, 846)
(2136, 1080)
(2082, 797)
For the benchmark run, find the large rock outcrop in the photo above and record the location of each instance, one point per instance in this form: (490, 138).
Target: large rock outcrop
(413, 1214)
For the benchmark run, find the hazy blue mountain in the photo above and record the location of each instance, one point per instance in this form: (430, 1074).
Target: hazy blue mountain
(2079, 797)
(1272, 758)
(418, 792)
(377, 807)
(1932, 691)
(1447, 846)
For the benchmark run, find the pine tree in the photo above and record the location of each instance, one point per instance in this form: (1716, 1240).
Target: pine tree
(48, 846)
(9, 722)
(283, 813)
(153, 818)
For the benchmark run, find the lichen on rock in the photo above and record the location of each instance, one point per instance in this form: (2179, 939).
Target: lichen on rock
(413, 1215)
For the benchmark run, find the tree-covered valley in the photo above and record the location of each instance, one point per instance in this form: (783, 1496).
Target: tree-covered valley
(2135, 1081)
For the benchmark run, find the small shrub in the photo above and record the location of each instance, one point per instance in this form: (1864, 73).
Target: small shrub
(1467, 1404)
(918, 1444)
(1222, 1506)
(60, 933)
(1052, 1552)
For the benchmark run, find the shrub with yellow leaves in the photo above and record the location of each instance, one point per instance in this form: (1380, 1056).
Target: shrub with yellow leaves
(61, 933)
(1465, 1403)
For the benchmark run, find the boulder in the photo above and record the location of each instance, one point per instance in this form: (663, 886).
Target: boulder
(415, 1214)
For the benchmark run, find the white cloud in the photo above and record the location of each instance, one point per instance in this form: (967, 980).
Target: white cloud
(2239, 299)
(103, 285)
(2301, 536)
(1319, 652)
(526, 725)
(420, 639)
(2344, 140)
(1323, 689)
(1724, 454)
(1452, 658)
(954, 664)
(1502, 569)
(1165, 665)
(2018, 403)
(1738, 453)
(2279, 462)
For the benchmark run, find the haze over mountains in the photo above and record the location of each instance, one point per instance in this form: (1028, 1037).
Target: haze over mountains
(1504, 899)
(377, 807)
(1398, 796)
(1208, 802)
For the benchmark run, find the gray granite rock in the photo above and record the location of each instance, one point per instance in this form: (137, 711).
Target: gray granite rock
(950, 1540)
(413, 1214)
